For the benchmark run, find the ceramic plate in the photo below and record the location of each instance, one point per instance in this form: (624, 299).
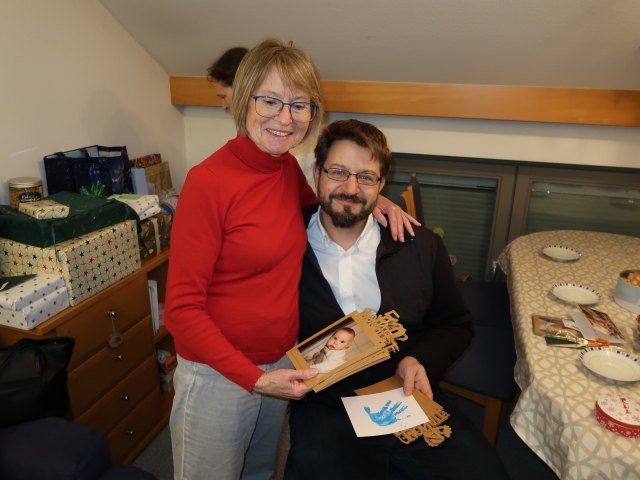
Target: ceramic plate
(611, 363)
(575, 293)
(560, 253)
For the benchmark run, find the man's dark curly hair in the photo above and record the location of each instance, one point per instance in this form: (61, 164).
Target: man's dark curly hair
(361, 133)
(224, 68)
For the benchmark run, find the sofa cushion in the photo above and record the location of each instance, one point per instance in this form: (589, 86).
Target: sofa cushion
(52, 448)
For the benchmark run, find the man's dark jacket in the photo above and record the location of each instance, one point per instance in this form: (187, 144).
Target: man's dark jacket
(416, 280)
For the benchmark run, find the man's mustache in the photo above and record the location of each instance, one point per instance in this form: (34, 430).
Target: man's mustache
(349, 198)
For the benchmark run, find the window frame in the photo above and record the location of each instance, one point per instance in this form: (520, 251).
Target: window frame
(514, 181)
(527, 175)
(504, 173)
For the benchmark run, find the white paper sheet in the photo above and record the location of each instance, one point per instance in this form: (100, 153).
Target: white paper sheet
(383, 413)
(153, 300)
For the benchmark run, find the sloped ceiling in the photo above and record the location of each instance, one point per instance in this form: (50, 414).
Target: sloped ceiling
(550, 43)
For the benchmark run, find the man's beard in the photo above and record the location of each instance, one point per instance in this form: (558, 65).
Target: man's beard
(345, 218)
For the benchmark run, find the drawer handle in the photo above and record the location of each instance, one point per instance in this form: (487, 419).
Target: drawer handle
(124, 397)
(129, 433)
(118, 357)
(116, 338)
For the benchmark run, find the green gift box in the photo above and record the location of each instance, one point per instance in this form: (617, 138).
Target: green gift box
(86, 214)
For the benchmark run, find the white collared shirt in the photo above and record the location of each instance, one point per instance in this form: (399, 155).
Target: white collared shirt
(350, 273)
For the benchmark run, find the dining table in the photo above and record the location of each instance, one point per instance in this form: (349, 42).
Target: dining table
(555, 411)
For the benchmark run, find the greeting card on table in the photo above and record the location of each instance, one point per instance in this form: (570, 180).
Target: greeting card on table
(595, 324)
(558, 332)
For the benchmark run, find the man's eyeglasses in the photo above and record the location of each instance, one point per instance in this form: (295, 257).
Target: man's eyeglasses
(270, 107)
(342, 175)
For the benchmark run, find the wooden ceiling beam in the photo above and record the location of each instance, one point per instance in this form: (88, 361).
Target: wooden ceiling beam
(492, 102)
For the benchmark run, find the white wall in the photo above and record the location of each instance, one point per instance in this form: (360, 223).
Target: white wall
(207, 128)
(73, 77)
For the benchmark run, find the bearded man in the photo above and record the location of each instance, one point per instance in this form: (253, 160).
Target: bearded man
(352, 263)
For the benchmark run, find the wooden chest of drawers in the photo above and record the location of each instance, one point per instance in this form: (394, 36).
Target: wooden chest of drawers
(114, 386)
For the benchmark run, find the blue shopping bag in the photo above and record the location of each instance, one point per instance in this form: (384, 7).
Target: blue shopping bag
(97, 171)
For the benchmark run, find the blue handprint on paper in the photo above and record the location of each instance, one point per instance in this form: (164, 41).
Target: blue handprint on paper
(387, 416)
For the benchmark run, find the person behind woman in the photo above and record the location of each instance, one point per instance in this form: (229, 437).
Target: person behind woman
(222, 72)
(237, 244)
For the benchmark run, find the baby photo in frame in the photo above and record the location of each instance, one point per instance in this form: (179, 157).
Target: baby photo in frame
(337, 350)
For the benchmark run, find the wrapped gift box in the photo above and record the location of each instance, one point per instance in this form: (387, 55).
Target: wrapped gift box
(155, 235)
(151, 179)
(159, 175)
(44, 209)
(86, 215)
(169, 201)
(145, 206)
(88, 263)
(146, 160)
(29, 290)
(37, 310)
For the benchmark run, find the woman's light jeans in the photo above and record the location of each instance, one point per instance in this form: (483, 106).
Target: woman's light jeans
(219, 431)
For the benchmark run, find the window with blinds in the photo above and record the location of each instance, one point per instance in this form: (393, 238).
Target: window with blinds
(460, 210)
(587, 198)
(479, 205)
(558, 206)
(465, 200)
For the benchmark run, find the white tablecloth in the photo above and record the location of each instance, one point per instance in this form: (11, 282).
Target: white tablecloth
(554, 414)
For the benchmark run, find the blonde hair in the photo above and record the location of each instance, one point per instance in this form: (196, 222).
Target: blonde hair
(296, 69)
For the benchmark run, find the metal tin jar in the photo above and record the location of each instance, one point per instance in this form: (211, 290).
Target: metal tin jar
(619, 414)
(627, 294)
(24, 190)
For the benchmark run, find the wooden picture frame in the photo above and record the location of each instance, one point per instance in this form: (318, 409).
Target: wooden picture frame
(367, 348)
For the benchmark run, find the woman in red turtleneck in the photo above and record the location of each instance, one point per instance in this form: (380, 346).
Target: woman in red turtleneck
(236, 252)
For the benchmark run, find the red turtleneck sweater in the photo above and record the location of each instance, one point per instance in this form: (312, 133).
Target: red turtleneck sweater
(236, 252)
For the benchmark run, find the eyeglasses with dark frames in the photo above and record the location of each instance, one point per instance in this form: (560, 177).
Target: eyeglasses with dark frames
(342, 175)
(270, 107)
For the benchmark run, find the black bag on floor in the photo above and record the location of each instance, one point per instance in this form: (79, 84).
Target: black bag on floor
(33, 379)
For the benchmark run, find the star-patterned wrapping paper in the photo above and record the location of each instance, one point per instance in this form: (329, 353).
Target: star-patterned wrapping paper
(555, 412)
(28, 291)
(88, 263)
(37, 310)
(44, 209)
